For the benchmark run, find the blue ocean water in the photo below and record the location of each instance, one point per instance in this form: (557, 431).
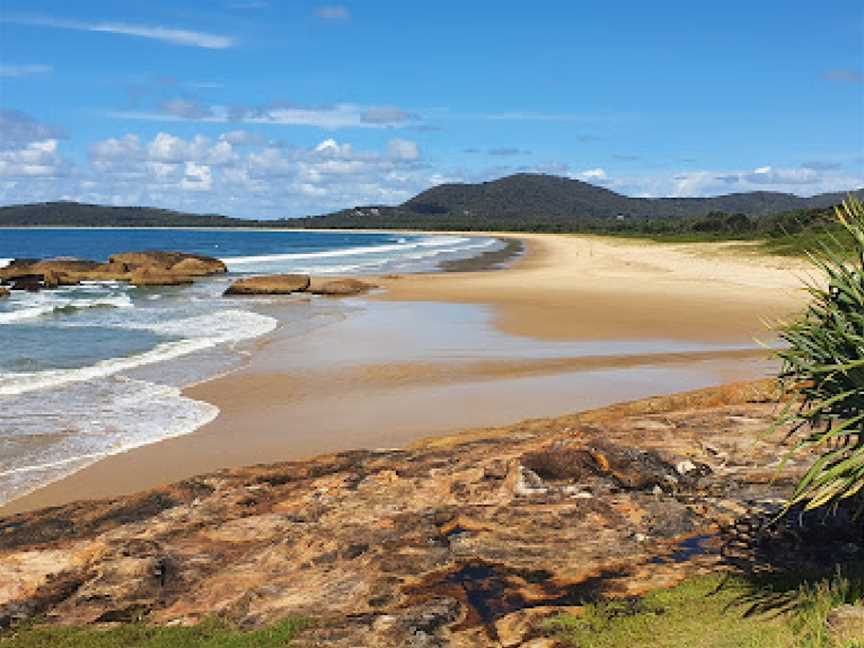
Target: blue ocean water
(95, 369)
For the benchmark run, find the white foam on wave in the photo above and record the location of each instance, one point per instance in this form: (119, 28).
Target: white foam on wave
(54, 305)
(68, 433)
(405, 245)
(203, 332)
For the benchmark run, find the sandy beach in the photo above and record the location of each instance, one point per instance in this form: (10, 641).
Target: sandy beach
(576, 322)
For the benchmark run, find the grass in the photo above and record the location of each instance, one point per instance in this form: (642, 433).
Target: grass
(715, 611)
(212, 633)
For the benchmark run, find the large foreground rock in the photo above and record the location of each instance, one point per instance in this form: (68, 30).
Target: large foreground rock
(469, 540)
(269, 285)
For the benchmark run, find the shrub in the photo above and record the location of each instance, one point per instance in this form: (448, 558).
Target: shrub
(823, 368)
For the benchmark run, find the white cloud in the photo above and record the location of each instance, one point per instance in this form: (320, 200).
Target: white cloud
(154, 32)
(593, 175)
(18, 129)
(39, 159)
(327, 117)
(333, 12)
(10, 70)
(400, 149)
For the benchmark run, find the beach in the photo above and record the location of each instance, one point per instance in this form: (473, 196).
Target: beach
(576, 322)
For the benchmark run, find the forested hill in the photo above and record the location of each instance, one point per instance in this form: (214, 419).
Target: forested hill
(72, 214)
(517, 202)
(545, 202)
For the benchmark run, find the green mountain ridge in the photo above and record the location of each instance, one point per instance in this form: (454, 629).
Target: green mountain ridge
(522, 201)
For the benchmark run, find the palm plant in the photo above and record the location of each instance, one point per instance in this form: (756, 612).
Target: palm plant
(823, 368)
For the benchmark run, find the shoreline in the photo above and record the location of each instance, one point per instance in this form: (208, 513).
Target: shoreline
(518, 307)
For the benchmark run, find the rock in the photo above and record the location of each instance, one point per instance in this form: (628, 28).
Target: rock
(158, 277)
(561, 463)
(198, 267)
(30, 283)
(269, 285)
(425, 546)
(4, 292)
(193, 264)
(340, 287)
(845, 624)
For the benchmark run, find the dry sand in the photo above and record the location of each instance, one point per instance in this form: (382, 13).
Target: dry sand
(577, 322)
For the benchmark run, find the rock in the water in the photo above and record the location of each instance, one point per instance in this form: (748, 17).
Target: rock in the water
(192, 264)
(4, 292)
(340, 287)
(846, 624)
(158, 277)
(269, 285)
(30, 283)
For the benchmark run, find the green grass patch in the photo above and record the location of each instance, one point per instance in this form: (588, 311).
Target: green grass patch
(211, 633)
(715, 611)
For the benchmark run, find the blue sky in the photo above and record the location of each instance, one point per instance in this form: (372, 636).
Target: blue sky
(274, 108)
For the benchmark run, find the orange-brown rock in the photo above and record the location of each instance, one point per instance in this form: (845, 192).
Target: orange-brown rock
(155, 276)
(194, 264)
(269, 285)
(466, 540)
(4, 292)
(339, 287)
(162, 268)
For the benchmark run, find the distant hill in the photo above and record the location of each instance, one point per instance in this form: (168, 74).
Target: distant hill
(535, 201)
(518, 202)
(73, 214)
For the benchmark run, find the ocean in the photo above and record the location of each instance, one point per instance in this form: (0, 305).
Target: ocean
(91, 370)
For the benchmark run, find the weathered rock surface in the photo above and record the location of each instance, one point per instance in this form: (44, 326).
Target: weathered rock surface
(269, 285)
(139, 268)
(178, 262)
(4, 292)
(339, 287)
(469, 540)
(152, 276)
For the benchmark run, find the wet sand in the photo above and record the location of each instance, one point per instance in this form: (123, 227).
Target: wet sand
(575, 323)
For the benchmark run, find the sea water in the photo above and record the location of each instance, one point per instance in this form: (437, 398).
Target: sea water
(95, 369)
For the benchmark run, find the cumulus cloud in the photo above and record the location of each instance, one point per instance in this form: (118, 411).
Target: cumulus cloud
(333, 12)
(236, 172)
(11, 70)
(171, 35)
(768, 175)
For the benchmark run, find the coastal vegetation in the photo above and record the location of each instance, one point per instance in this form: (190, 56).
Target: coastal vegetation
(210, 633)
(823, 371)
(720, 611)
(785, 223)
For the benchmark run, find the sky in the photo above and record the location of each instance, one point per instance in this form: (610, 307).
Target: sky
(276, 108)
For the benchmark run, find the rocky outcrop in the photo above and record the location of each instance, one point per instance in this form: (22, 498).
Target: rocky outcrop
(140, 268)
(4, 292)
(269, 285)
(468, 540)
(143, 277)
(177, 262)
(339, 287)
